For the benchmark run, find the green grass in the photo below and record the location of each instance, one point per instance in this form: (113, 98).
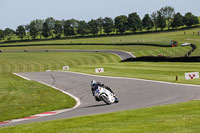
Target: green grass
(151, 38)
(160, 71)
(155, 38)
(20, 98)
(34, 62)
(178, 118)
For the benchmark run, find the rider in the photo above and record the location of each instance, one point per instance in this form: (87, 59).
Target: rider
(95, 84)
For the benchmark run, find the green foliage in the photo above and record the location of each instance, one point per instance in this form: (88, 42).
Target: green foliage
(1, 34)
(108, 25)
(20, 32)
(189, 19)
(93, 26)
(147, 23)
(161, 21)
(51, 23)
(177, 21)
(45, 31)
(9, 33)
(134, 22)
(168, 13)
(121, 23)
(58, 29)
(33, 30)
(69, 29)
(82, 28)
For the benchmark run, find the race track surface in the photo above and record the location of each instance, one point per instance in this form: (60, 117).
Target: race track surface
(132, 93)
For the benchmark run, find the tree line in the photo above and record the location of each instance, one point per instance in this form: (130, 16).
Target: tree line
(165, 17)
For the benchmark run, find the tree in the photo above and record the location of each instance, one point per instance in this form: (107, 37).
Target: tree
(108, 25)
(189, 19)
(39, 26)
(51, 23)
(168, 12)
(154, 17)
(147, 23)
(100, 24)
(58, 29)
(82, 28)
(45, 31)
(121, 23)
(27, 28)
(9, 33)
(68, 28)
(20, 32)
(134, 22)
(1, 34)
(93, 26)
(161, 21)
(33, 30)
(177, 21)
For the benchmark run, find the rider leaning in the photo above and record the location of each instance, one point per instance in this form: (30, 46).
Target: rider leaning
(95, 85)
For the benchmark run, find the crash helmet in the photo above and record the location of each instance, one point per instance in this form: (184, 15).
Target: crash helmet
(93, 83)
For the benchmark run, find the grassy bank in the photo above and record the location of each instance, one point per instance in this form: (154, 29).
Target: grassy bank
(20, 98)
(160, 71)
(179, 118)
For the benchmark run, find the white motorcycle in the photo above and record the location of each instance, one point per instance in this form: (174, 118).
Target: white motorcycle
(105, 95)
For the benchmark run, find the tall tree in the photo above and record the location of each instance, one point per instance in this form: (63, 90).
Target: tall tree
(51, 23)
(121, 23)
(33, 30)
(1, 34)
(147, 23)
(27, 28)
(93, 26)
(39, 26)
(134, 22)
(20, 32)
(177, 21)
(161, 21)
(154, 17)
(189, 19)
(69, 28)
(58, 30)
(45, 31)
(82, 28)
(168, 12)
(100, 24)
(9, 33)
(108, 25)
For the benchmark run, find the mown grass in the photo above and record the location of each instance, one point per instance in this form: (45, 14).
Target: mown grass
(160, 71)
(34, 62)
(178, 118)
(20, 98)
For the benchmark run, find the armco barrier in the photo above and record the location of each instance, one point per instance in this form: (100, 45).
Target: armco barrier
(163, 59)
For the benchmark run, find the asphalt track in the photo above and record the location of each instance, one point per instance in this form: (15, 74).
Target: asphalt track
(123, 55)
(132, 93)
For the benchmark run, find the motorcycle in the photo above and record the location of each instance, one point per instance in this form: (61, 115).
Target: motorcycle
(105, 95)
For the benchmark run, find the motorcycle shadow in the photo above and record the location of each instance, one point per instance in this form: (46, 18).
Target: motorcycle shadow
(93, 106)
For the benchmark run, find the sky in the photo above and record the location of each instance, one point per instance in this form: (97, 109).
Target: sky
(20, 12)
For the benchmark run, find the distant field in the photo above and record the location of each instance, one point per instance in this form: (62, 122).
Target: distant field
(151, 38)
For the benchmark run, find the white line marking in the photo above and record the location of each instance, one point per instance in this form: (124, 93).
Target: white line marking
(22, 76)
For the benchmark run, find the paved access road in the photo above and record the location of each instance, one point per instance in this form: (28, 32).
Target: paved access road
(122, 54)
(132, 93)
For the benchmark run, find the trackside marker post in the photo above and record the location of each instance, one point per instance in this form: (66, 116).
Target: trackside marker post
(192, 75)
(99, 70)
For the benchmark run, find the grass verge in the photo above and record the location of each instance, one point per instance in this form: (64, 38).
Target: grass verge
(178, 118)
(20, 98)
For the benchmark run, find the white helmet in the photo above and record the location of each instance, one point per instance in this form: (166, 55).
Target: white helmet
(93, 83)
